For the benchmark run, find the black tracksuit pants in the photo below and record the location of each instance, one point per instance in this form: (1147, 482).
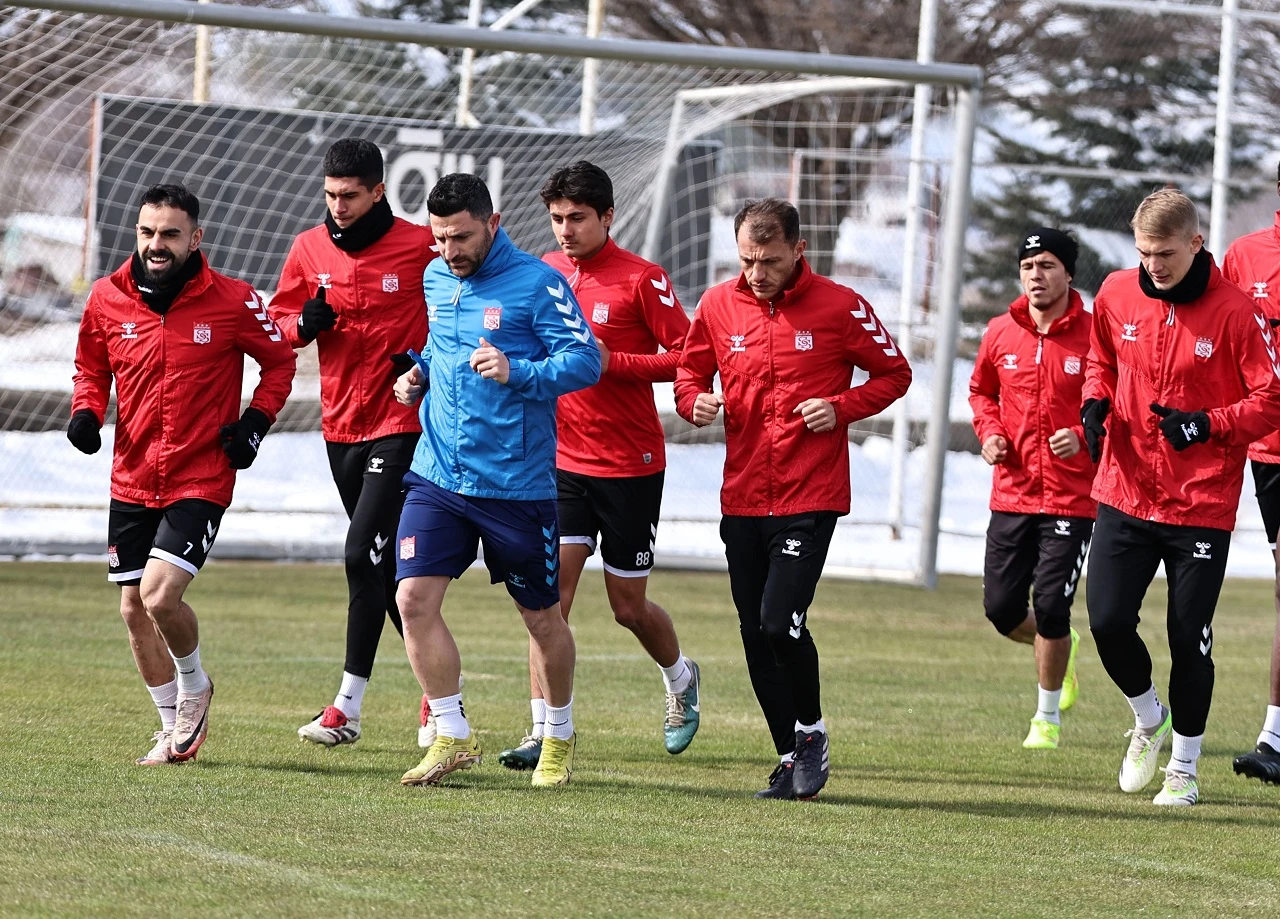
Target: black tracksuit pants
(368, 476)
(1125, 554)
(774, 567)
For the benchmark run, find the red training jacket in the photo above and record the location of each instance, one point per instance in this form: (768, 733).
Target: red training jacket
(1026, 386)
(1252, 263)
(1214, 354)
(377, 294)
(178, 379)
(771, 357)
(612, 429)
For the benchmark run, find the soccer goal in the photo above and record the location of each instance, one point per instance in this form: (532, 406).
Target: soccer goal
(99, 98)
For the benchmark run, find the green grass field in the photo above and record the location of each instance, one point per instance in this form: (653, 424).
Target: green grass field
(932, 808)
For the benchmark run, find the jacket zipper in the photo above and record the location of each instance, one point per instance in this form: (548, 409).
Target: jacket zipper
(164, 374)
(1162, 353)
(457, 391)
(773, 399)
(1040, 438)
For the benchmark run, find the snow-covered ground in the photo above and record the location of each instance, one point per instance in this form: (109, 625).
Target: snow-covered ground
(286, 506)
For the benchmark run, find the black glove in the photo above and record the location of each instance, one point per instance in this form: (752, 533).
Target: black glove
(1182, 429)
(82, 431)
(241, 439)
(1093, 413)
(400, 364)
(317, 316)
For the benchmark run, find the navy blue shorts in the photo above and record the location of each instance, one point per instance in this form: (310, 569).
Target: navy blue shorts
(440, 531)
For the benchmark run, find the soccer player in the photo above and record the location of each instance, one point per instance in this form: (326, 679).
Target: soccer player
(610, 453)
(785, 343)
(507, 339)
(172, 333)
(353, 285)
(1182, 377)
(1025, 393)
(1252, 263)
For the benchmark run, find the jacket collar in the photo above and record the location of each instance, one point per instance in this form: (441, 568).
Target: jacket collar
(596, 261)
(1020, 310)
(499, 255)
(804, 279)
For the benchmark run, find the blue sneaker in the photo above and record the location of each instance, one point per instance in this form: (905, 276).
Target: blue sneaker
(684, 712)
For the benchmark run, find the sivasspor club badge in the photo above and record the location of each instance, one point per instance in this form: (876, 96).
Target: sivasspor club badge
(390, 283)
(493, 318)
(804, 340)
(600, 313)
(202, 334)
(1071, 365)
(113, 557)
(408, 547)
(1204, 347)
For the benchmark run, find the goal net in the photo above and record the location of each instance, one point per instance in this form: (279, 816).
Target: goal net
(95, 108)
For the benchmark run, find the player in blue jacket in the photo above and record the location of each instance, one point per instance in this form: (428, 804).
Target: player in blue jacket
(506, 338)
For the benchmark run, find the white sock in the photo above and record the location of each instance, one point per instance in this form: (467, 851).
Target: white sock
(560, 721)
(1047, 705)
(350, 695)
(818, 726)
(539, 709)
(451, 720)
(678, 676)
(1186, 750)
(166, 699)
(1271, 728)
(1146, 709)
(191, 676)
(788, 758)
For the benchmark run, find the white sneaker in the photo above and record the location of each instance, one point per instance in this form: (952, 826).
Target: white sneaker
(1180, 790)
(162, 753)
(1139, 765)
(330, 728)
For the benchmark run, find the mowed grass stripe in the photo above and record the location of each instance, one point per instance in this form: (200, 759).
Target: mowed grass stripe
(932, 808)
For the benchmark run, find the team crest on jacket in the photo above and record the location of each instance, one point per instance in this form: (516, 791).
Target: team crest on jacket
(390, 283)
(1071, 365)
(408, 547)
(1204, 347)
(804, 340)
(202, 333)
(493, 318)
(600, 313)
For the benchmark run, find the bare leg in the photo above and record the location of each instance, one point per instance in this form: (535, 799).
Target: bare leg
(1025, 633)
(647, 620)
(433, 654)
(149, 650)
(554, 650)
(1051, 660)
(161, 590)
(1275, 641)
(573, 557)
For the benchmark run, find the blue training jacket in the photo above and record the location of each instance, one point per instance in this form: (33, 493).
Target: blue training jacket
(480, 437)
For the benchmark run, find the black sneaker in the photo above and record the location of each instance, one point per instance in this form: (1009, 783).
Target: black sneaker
(1263, 763)
(779, 784)
(812, 763)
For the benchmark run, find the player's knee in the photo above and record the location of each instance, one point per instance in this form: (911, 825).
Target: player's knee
(781, 629)
(133, 611)
(1005, 612)
(629, 613)
(158, 601)
(1053, 625)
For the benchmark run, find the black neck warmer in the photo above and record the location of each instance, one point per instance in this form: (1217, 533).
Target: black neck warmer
(1191, 287)
(159, 297)
(364, 232)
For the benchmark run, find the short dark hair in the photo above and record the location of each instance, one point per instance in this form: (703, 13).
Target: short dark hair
(176, 196)
(582, 182)
(460, 191)
(768, 217)
(354, 158)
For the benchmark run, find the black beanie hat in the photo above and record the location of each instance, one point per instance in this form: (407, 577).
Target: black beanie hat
(1047, 239)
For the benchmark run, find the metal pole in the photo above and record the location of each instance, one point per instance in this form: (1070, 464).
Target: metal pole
(658, 203)
(948, 326)
(449, 36)
(925, 45)
(590, 70)
(200, 79)
(464, 117)
(1222, 130)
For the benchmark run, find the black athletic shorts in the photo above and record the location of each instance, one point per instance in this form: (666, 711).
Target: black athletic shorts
(621, 512)
(1266, 485)
(180, 534)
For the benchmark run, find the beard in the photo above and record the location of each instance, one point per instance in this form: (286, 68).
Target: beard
(466, 266)
(165, 274)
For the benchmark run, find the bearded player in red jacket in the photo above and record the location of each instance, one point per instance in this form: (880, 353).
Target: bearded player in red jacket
(1252, 263)
(785, 343)
(172, 333)
(609, 473)
(1025, 393)
(1182, 377)
(353, 285)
